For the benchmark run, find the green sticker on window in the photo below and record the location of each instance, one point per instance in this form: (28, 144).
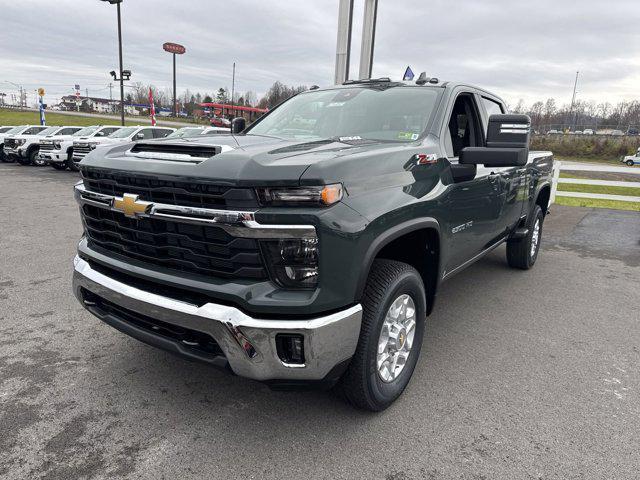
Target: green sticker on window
(407, 136)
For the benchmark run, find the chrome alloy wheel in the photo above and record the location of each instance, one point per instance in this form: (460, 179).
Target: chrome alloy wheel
(396, 338)
(535, 238)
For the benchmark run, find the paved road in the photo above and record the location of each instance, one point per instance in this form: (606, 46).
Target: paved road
(524, 375)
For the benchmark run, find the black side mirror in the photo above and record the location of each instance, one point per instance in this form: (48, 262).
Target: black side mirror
(507, 143)
(238, 125)
(99, 134)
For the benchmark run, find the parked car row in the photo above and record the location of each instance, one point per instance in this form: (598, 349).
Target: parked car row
(64, 147)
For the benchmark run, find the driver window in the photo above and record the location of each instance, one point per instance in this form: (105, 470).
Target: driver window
(463, 129)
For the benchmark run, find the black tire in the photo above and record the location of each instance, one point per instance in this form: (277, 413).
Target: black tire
(30, 158)
(519, 252)
(70, 163)
(36, 160)
(361, 384)
(59, 165)
(630, 163)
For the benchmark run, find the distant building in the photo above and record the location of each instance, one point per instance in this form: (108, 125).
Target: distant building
(88, 104)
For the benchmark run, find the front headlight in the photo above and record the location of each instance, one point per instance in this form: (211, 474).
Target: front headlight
(322, 195)
(293, 263)
(93, 146)
(21, 142)
(57, 145)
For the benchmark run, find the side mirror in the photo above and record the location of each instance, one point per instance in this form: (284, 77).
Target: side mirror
(238, 125)
(99, 134)
(139, 136)
(507, 143)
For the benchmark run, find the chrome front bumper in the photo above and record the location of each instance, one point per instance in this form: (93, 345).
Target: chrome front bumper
(328, 340)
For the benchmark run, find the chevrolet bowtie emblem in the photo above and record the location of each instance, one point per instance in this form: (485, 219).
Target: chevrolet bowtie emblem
(130, 205)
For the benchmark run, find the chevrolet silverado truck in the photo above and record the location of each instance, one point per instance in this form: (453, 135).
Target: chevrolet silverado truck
(58, 151)
(24, 148)
(632, 160)
(14, 142)
(308, 248)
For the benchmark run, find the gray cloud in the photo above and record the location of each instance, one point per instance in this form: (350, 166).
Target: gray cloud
(527, 50)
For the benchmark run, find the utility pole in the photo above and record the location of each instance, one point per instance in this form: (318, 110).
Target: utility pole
(573, 99)
(233, 82)
(110, 91)
(343, 47)
(368, 38)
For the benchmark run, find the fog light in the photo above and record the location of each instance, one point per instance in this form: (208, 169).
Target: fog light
(290, 348)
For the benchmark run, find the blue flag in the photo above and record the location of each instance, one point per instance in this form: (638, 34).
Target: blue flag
(408, 74)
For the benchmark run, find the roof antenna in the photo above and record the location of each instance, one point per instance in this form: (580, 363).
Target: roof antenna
(422, 79)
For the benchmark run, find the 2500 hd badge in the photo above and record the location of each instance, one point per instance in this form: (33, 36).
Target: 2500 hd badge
(307, 248)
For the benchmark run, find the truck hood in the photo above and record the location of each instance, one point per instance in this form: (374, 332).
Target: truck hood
(243, 160)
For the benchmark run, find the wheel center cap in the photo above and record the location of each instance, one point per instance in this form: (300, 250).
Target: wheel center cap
(402, 337)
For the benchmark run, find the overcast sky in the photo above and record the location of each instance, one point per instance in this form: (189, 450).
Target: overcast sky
(528, 50)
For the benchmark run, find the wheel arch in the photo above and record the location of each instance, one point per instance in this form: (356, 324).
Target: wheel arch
(407, 242)
(543, 197)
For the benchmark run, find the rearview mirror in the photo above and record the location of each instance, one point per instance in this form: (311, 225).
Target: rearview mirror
(507, 143)
(238, 125)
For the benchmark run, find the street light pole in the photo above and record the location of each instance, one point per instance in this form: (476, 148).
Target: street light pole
(121, 66)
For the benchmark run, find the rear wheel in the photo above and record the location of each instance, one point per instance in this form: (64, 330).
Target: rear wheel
(630, 163)
(393, 321)
(522, 253)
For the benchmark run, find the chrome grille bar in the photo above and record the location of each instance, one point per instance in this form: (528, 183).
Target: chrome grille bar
(242, 224)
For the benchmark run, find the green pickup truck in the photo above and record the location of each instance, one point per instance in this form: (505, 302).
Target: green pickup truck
(308, 248)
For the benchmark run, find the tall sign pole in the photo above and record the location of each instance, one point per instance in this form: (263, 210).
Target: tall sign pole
(121, 66)
(368, 38)
(41, 106)
(174, 49)
(343, 47)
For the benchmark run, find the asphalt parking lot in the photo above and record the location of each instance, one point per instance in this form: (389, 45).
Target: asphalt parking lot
(523, 375)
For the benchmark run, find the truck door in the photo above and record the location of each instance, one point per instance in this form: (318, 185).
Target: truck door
(473, 208)
(511, 179)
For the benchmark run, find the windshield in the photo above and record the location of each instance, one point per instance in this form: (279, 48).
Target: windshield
(15, 130)
(397, 114)
(123, 133)
(48, 131)
(85, 132)
(186, 132)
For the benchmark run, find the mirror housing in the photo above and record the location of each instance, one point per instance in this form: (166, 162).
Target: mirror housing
(139, 136)
(99, 134)
(507, 143)
(238, 125)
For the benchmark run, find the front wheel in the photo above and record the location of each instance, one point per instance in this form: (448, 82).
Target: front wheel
(59, 165)
(630, 163)
(36, 160)
(393, 321)
(522, 253)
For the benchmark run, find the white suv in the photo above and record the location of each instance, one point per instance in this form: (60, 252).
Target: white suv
(25, 147)
(126, 134)
(21, 130)
(58, 151)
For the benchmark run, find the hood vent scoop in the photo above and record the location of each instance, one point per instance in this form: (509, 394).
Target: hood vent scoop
(186, 153)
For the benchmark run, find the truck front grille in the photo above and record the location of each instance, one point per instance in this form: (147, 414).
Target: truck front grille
(80, 151)
(157, 190)
(10, 143)
(46, 147)
(200, 249)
